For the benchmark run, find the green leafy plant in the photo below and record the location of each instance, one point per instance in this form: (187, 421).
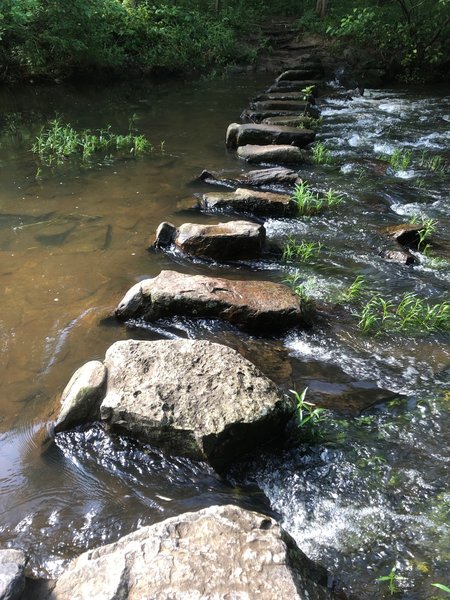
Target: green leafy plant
(356, 289)
(60, 141)
(435, 163)
(310, 203)
(302, 251)
(411, 315)
(426, 231)
(391, 580)
(308, 414)
(442, 587)
(321, 155)
(399, 160)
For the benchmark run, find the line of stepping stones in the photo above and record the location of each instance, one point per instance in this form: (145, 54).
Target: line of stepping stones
(129, 390)
(200, 399)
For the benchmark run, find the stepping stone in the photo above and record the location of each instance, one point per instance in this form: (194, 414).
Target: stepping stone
(12, 574)
(217, 553)
(261, 204)
(257, 306)
(293, 105)
(271, 154)
(240, 135)
(250, 116)
(280, 95)
(296, 121)
(266, 178)
(190, 398)
(406, 234)
(235, 240)
(295, 86)
(301, 74)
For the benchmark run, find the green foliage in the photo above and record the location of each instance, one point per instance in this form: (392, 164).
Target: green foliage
(59, 142)
(310, 203)
(442, 587)
(302, 251)
(320, 154)
(308, 414)
(50, 38)
(428, 228)
(391, 580)
(355, 290)
(399, 160)
(411, 315)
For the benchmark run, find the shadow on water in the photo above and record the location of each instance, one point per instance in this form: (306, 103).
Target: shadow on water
(368, 494)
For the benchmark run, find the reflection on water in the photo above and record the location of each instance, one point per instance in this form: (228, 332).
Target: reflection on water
(72, 240)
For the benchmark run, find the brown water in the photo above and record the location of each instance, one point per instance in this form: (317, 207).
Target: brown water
(73, 240)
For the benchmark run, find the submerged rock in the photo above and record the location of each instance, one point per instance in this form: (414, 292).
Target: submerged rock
(271, 154)
(240, 135)
(262, 204)
(398, 255)
(235, 240)
(259, 306)
(191, 398)
(220, 553)
(265, 178)
(12, 574)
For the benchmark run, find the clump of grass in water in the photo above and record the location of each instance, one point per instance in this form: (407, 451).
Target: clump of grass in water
(61, 141)
(302, 251)
(399, 160)
(308, 414)
(356, 290)
(434, 163)
(411, 315)
(300, 288)
(310, 203)
(320, 154)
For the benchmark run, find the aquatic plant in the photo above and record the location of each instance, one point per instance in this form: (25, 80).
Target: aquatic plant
(411, 315)
(400, 159)
(355, 290)
(310, 203)
(433, 261)
(321, 155)
(391, 580)
(302, 251)
(435, 163)
(308, 414)
(60, 141)
(425, 232)
(442, 587)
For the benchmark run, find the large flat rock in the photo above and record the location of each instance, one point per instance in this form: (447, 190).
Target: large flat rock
(270, 178)
(270, 154)
(218, 553)
(299, 106)
(250, 133)
(189, 398)
(262, 204)
(295, 121)
(258, 306)
(235, 240)
(258, 116)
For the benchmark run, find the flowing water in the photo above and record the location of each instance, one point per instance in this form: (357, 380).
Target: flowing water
(369, 494)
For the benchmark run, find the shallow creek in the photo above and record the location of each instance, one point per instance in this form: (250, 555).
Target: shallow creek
(371, 494)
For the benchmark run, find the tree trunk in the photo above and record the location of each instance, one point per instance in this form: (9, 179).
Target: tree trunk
(321, 8)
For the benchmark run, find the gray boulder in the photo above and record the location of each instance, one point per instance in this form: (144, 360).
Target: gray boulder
(218, 553)
(261, 204)
(192, 398)
(284, 155)
(258, 306)
(296, 121)
(298, 106)
(189, 398)
(259, 116)
(242, 134)
(12, 574)
(235, 240)
(80, 398)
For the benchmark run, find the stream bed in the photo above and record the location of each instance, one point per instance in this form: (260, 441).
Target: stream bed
(370, 493)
